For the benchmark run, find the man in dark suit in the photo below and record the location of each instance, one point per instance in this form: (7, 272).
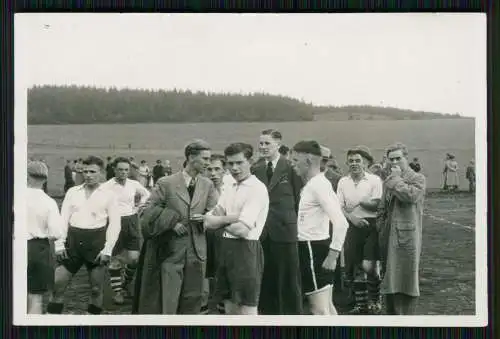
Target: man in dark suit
(189, 194)
(281, 292)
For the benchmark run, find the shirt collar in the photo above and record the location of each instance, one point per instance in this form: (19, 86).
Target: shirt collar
(82, 186)
(363, 177)
(187, 177)
(274, 162)
(245, 182)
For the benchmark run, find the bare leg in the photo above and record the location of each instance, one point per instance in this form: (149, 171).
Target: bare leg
(62, 278)
(230, 307)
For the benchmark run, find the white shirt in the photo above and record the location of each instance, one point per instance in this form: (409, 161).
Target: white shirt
(248, 199)
(44, 219)
(351, 193)
(125, 195)
(227, 181)
(99, 209)
(144, 171)
(318, 205)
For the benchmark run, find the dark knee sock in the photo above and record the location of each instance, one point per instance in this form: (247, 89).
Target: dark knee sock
(360, 293)
(55, 308)
(129, 273)
(93, 309)
(116, 280)
(373, 285)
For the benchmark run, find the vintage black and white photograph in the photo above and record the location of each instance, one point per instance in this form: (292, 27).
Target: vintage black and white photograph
(250, 169)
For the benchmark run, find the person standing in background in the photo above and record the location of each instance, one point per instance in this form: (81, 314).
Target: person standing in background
(68, 176)
(79, 172)
(158, 171)
(131, 195)
(43, 223)
(168, 168)
(450, 173)
(110, 171)
(134, 169)
(143, 174)
(470, 175)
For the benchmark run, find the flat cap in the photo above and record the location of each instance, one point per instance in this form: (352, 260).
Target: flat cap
(308, 147)
(363, 151)
(325, 152)
(37, 169)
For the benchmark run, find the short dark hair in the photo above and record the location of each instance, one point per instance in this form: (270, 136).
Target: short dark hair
(283, 149)
(275, 134)
(308, 147)
(121, 160)
(218, 157)
(143, 161)
(93, 160)
(195, 147)
(398, 146)
(158, 161)
(108, 158)
(239, 147)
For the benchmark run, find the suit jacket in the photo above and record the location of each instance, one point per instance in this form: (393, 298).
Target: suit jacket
(284, 195)
(157, 226)
(171, 192)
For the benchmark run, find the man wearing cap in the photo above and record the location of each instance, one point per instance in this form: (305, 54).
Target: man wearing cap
(43, 223)
(91, 221)
(359, 193)
(131, 196)
(241, 212)
(281, 291)
(190, 195)
(318, 252)
(399, 220)
(333, 177)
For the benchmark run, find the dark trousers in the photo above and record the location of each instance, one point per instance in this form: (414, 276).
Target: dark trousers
(281, 292)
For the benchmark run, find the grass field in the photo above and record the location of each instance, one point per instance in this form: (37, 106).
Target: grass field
(429, 140)
(448, 258)
(447, 281)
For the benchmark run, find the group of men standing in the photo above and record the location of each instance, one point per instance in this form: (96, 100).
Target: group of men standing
(268, 235)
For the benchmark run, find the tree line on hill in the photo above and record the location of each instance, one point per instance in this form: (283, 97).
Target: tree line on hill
(91, 105)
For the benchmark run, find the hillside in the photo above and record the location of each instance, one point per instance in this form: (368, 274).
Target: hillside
(91, 105)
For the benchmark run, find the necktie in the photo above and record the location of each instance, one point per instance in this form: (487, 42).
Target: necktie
(191, 188)
(269, 171)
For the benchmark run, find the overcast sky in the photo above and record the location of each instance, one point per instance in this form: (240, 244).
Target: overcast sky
(432, 62)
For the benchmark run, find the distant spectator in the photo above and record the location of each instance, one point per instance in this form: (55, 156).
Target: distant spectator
(450, 173)
(284, 151)
(158, 171)
(143, 174)
(134, 168)
(79, 172)
(470, 175)
(68, 176)
(168, 168)
(415, 165)
(110, 171)
(334, 165)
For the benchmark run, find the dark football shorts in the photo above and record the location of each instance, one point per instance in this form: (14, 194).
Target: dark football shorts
(239, 272)
(130, 235)
(40, 268)
(312, 254)
(82, 247)
(361, 243)
(214, 239)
